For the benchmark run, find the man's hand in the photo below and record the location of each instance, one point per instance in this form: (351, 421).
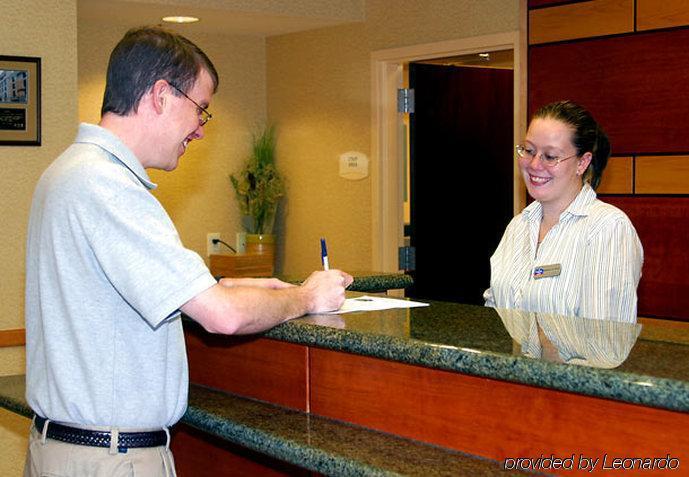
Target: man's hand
(326, 290)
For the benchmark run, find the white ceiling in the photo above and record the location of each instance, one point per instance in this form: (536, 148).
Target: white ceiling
(233, 17)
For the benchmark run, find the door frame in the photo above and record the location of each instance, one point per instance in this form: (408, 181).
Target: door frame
(388, 139)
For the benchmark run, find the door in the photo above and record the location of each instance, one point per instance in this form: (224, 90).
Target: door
(461, 168)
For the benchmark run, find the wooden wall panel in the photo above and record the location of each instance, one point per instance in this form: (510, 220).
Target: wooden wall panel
(486, 417)
(663, 227)
(617, 177)
(651, 14)
(581, 20)
(633, 85)
(248, 367)
(662, 175)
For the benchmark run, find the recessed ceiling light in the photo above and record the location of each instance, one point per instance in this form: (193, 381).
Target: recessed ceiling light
(180, 19)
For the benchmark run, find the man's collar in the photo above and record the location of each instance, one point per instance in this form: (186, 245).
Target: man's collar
(105, 139)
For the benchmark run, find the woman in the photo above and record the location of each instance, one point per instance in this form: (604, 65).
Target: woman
(567, 252)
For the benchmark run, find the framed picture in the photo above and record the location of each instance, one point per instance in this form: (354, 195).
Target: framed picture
(20, 101)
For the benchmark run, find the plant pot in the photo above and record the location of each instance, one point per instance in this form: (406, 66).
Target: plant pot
(260, 243)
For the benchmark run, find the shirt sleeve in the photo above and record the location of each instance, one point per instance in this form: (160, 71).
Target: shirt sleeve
(488, 297)
(500, 268)
(615, 256)
(139, 251)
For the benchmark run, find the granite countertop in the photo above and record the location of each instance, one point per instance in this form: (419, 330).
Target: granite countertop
(323, 445)
(378, 282)
(646, 365)
(370, 282)
(318, 444)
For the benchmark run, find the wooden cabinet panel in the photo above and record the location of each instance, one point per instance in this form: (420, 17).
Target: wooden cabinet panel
(633, 85)
(617, 176)
(581, 20)
(242, 265)
(663, 227)
(549, 3)
(487, 417)
(198, 454)
(16, 337)
(651, 14)
(662, 175)
(269, 370)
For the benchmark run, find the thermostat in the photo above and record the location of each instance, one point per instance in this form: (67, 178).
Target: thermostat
(353, 165)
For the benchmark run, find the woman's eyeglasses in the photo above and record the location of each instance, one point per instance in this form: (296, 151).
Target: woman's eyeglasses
(548, 160)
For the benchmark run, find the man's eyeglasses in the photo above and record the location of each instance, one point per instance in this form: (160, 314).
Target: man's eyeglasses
(528, 153)
(204, 115)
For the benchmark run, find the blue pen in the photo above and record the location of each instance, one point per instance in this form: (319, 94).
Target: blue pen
(324, 255)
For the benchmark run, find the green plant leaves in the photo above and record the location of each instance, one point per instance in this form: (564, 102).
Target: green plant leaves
(259, 186)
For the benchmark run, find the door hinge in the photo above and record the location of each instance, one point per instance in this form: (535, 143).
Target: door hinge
(407, 258)
(405, 100)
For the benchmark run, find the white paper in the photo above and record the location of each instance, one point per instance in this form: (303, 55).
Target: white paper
(373, 303)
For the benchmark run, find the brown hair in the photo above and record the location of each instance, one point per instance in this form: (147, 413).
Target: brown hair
(588, 136)
(146, 55)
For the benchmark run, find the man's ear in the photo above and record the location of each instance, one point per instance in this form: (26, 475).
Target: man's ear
(159, 94)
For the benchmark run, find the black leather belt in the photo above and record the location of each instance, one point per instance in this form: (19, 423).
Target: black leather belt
(85, 437)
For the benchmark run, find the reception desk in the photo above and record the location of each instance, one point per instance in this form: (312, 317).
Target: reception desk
(447, 389)
(500, 385)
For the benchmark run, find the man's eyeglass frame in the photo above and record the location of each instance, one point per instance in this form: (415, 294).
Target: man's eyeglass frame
(202, 119)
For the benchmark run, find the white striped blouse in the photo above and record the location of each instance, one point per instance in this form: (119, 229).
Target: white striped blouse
(598, 252)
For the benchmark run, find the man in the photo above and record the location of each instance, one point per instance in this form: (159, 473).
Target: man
(107, 274)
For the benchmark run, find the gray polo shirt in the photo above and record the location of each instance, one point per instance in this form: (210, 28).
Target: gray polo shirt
(106, 274)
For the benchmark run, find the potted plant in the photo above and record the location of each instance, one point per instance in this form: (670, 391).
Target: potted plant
(259, 187)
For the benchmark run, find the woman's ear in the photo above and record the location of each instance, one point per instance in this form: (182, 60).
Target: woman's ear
(584, 162)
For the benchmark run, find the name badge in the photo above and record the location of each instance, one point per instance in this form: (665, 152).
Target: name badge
(543, 271)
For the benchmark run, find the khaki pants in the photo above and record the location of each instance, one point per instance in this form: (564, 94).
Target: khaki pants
(51, 458)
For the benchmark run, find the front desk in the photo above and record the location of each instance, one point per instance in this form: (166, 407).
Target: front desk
(497, 384)
(444, 390)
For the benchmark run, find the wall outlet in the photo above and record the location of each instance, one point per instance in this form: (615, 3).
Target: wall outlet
(241, 242)
(212, 248)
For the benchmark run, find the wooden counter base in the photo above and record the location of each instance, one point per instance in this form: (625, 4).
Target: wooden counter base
(486, 417)
(199, 454)
(269, 370)
(479, 416)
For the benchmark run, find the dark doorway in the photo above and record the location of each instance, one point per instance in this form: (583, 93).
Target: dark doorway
(461, 161)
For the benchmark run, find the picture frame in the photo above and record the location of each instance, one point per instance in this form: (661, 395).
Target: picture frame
(20, 101)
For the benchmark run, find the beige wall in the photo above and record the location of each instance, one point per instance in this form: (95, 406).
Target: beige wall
(56, 45)
(197, 195)
(318, 91)
(21, 166)
(319, 94)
